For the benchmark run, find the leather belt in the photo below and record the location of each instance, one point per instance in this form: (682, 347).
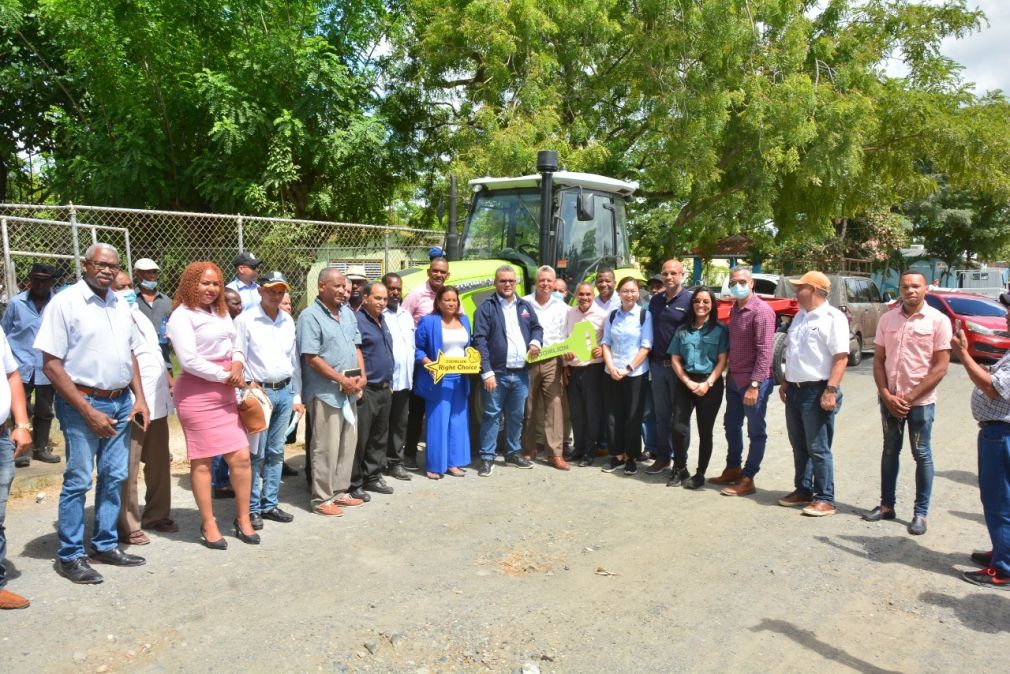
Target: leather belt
(275, 386)
(667, 362)
(100, 393)
(807, 384)
(378, 387)
(988, 424)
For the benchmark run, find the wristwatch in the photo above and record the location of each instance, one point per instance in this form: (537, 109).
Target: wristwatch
(24, 427)
(755, 384)
(831, 389)
(629, 369)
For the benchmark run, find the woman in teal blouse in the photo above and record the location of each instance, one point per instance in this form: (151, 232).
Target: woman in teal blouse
(698, 354)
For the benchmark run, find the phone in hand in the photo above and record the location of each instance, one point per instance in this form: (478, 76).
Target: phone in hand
(957, 326)
(138, 419)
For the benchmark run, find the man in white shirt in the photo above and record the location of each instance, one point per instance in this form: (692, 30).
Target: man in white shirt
(266, 336)
(585, 379)
(546, 389)
(817, 349)
(401, 327)
(607, 300)
(87, 341)
(246, 267)
(151, 445)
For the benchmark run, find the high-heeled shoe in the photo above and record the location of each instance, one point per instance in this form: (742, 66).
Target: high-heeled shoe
(251, 540)
(219, 544)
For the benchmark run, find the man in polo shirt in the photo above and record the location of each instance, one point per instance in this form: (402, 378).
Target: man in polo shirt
(585, 379)
(87, 341)
(505, 331)
(246, 266)
(266, 335)
(401, 327)
(21, 324)
(751, 341)
(911, 357)
(329, 344)
(607, 299)
(373, 408)
(153, 303)
(420, 302)
(669, 310)
(817, 349)
(546, 390)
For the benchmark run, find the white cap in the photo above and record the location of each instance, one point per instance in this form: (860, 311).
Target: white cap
(146, 264)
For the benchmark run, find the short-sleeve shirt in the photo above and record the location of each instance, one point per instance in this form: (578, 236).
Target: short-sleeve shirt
(269, 347)
(158, 312)
(814, 339)
(94, 337)
(376, 348)
(419, 302)
(626, 334)
(699, 349)
(909, 343)
(985, 409)
(668, 314)
(335, 341)
(21, 323)
(248, 292)
(596, 315)
(551, 317)
(10, 365)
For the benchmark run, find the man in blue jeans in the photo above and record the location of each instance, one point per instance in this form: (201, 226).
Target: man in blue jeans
(505, 331)
(817, 351)
(87, 341)
(751, 341)
(12, 403)
(266, 335)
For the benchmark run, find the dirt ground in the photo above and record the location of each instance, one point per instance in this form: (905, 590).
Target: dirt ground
(537, 570)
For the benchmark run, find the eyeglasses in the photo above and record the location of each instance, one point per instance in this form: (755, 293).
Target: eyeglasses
(111, 266)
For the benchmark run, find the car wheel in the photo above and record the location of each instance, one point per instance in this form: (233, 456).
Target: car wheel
(779, 358)
(856, 355)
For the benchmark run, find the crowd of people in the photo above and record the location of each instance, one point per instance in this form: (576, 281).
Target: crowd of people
(99, 356)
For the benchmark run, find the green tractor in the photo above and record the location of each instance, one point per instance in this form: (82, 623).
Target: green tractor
(574, 222)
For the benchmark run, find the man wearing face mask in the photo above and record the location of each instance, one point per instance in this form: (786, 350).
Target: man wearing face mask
(153, 303)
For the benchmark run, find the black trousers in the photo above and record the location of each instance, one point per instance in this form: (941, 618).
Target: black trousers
(415, 421)
(399, 409)
(373, 434)
(585, 405)
(40, 411)
(684, 402)
(624, 406)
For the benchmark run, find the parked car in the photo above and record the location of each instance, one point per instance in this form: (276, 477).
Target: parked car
(982, 319)
(859, 298)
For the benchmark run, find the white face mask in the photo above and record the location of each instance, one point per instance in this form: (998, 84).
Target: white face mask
(739, 291)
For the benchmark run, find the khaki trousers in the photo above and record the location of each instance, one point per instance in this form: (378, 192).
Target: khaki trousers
(151, 448)
(333, 444)
(545, 393)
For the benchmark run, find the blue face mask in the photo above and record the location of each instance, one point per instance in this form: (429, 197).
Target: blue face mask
(129, 295)
(559, 295)
(149, 285)
(739, 291)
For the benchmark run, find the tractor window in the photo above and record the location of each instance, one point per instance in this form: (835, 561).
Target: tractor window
(501, 221)
(588, 244)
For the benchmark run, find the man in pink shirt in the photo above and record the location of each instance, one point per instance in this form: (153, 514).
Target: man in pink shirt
(912, 354)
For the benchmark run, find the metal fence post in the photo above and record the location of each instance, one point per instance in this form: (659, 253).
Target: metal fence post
(241, 235)
(385, 252)
(12, 279)
(77, 242)
(129, 251)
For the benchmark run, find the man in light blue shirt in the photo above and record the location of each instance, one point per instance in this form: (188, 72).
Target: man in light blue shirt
(246, 266)
(21, 324)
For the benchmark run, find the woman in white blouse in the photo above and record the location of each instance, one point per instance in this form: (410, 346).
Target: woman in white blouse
(203, 338)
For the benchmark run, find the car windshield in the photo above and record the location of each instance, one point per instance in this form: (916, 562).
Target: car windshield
(964, 306)
(503, 221)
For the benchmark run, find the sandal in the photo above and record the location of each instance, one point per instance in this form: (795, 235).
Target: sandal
(433, 476)
(456, 471)
(137, 538)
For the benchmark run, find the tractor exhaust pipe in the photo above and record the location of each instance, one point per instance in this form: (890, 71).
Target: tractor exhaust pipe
(547, 164)
(451, 238)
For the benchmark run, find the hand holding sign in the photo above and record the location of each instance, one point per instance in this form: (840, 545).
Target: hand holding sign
(581, 342)
(443, 365)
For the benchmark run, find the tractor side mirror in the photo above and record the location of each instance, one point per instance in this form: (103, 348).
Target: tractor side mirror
(586, 206)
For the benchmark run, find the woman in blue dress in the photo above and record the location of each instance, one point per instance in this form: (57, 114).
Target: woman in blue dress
(445, 330)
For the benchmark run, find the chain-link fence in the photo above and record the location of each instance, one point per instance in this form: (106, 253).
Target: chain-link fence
(298, 248)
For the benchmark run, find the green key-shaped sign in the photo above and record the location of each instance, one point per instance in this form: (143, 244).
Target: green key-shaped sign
(581, 343)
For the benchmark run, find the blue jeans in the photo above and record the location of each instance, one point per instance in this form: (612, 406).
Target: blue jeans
(6, 478)
(920, 427)
(811, 431)
(509, 396)
(219, 474)
(994, 487)
(757, 431)
(84, 450)
(266, 452)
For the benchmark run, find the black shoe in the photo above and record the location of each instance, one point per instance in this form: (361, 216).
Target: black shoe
(378, 486)
(116, 557)
(411, 465)
(486, 468)
(516, 459)
(982, 557)
(630, 468)
(78, 571)
(693, 482)
(612, 465)
(878, 514)
(251, 540)
(277, 515)
(23, 461)
(586, 460)
(918, 526)
(45, 455)
(398, 472)
(256, 520)
(678, 477)
(657, 467)
(288, 471)
(219, 544)
(360, 493)
(987, 577)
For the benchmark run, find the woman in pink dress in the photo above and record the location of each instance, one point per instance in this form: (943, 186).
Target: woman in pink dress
(203, 338)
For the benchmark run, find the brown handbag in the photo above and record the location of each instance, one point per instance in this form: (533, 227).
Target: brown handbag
(254, 409)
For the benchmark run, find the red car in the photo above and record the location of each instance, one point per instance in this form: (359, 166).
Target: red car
(983, 320)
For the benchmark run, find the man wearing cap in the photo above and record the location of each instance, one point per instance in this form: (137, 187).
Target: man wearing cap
(153, 303)
(356, 275)
(401, 327)
(990, 405)
(246, 266)
(817, 349)
(21, 324)
(266, 335)
(912, 353)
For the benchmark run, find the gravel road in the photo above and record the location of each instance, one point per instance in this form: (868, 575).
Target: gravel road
(537, 570)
